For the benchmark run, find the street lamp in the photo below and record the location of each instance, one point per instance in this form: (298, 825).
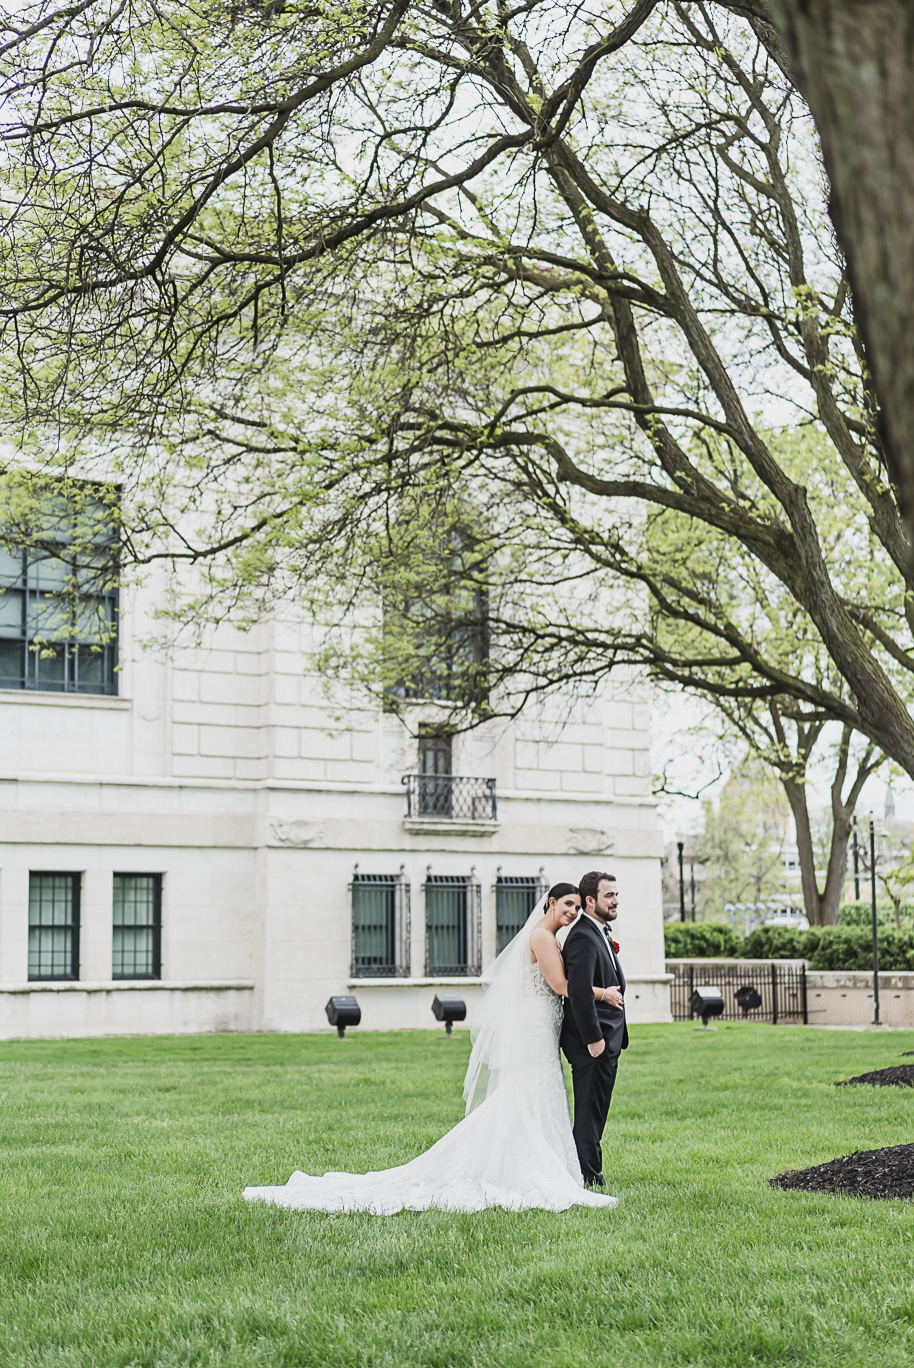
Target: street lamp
(876, 1021)
(682, 912)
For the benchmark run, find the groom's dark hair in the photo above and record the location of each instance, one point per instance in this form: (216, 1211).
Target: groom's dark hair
(589, 886)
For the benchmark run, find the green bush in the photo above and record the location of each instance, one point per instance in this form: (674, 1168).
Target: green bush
(700, 940)
(780, 942)
(851, 947)
(860, 913)
(824, 947)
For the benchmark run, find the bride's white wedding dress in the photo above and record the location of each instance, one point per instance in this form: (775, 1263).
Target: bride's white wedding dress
(513, 1149)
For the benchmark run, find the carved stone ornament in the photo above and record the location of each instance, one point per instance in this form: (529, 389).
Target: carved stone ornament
(296, 835)
(589, 841)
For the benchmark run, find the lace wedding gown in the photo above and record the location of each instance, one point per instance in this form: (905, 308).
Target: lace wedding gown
(514, 1150)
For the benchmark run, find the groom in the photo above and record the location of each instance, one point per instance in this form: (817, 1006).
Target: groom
(593, 1032)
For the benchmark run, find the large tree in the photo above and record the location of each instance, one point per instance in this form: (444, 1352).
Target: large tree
(314, 275)
(854, 62)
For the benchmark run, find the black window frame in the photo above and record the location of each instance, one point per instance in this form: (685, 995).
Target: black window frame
(435, 772)
(513, 892)
(450, 608)
(380, 943)
(74, 654)
(154, 926)
(453, 943)
(73, 926)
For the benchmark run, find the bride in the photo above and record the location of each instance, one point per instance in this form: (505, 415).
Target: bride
(514, 1147)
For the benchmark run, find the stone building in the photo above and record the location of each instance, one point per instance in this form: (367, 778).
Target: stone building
(199, 843)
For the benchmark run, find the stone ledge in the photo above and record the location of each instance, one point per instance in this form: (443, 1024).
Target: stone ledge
(131, 986)
(466, 982)
(112, 702)
(448, 826)
(474, 982)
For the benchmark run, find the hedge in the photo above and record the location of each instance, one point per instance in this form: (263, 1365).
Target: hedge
(860, 913)
(780, 942)
(851, 947)
(824, 947)
(700, 940)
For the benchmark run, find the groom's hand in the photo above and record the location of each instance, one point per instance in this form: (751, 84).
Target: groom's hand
(597, 1048)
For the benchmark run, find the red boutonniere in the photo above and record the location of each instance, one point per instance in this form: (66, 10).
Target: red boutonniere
(616, 946)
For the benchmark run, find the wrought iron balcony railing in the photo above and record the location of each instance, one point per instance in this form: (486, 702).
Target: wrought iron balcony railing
(451, 796)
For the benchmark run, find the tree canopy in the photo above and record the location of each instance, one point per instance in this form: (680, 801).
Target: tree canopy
(288, 273)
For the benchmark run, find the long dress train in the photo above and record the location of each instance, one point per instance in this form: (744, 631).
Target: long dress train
(514, 1150)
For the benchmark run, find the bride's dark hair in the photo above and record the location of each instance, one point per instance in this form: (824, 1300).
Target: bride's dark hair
(561, 890)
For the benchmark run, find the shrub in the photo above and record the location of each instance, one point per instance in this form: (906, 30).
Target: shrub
(699, 940)
(851, 947)
(780, 942)
(860, 913)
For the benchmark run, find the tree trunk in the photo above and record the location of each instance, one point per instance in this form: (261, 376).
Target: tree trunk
(896, 904)
(796, 797)
(837, 866)
(821, 908)
(854, 62)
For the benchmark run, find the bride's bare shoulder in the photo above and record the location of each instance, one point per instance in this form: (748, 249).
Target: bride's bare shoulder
(543, 945)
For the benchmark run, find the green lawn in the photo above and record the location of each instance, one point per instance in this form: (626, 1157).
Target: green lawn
(124, 1238)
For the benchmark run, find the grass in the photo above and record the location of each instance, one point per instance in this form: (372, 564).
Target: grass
(124, 1239)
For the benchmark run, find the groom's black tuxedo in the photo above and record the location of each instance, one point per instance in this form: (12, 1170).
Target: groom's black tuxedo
(590, 961)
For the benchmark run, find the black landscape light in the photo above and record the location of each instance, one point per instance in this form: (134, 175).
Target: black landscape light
(343, 1011)
(748, 998)
(449, 1010)
(706, 1002)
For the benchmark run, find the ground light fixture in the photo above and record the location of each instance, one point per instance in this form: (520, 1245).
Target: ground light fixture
(343, 1011)
(748, 998)
(706, 1002)
(449, 1010)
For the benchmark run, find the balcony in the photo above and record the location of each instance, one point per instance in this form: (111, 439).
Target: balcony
(459, 805)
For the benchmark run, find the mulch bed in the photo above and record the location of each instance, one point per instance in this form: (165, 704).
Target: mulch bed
(868, 1173)
(898, 1076)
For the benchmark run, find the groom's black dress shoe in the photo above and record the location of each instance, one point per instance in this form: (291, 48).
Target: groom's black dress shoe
(598, 1182)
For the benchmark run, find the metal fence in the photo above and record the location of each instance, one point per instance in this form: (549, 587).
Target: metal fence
(453, 925)
(450, 795)
(380, 925)
(780, 987)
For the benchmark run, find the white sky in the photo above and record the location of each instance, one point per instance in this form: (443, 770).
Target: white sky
(693, 762)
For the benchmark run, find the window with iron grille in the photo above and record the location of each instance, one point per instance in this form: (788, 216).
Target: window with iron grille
(515, 898)
(58, 599)
(137, 930)
(380, 925)
(452, 925)
(54, 926)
